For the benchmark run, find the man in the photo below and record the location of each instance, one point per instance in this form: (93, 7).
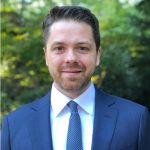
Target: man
(75, 115)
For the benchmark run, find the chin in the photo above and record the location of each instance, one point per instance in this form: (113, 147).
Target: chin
(71, 87)
(74, 86)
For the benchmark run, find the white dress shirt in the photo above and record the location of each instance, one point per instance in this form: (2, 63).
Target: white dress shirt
(60, 114)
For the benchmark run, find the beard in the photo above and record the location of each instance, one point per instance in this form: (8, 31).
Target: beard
(73, 84)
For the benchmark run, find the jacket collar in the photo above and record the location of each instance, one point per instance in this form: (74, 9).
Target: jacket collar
(104, 120)
(39, 124)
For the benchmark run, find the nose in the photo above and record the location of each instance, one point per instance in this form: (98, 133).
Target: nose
(71, 57)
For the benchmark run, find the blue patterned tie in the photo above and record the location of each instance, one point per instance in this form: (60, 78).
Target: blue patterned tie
(74, 138)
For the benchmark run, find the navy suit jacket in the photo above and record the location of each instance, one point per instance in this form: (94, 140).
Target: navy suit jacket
(119, 124)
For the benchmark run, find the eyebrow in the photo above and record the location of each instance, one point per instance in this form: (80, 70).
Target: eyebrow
(78, 43)
(58, 43)
(86, 42)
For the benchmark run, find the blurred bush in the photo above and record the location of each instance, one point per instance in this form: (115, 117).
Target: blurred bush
(125, 34)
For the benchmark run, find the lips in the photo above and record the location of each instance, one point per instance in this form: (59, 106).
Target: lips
(71, 69)
(71, 73)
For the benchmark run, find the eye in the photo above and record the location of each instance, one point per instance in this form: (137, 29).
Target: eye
(83, 49)
(59, 48)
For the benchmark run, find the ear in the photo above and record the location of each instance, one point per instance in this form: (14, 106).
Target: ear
(45, 56)
(46, 63)
(98, 59)
(44, 50)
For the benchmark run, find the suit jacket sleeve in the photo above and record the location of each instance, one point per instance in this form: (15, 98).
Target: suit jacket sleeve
(144, 131)
(5, 137)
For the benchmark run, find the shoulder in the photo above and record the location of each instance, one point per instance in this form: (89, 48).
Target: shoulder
(129, 113)
(26, 110)
(121, 104)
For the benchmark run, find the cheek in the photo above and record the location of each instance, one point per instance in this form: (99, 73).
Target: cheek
(51, 59)
(54, 64)
(89, 62)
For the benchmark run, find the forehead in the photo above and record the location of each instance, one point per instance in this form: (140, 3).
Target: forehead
(70, 30)
(70, 26)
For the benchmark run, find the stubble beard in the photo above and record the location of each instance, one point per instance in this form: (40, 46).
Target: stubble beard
(73, 87)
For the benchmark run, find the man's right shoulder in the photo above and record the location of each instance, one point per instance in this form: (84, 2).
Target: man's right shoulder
(26, 109)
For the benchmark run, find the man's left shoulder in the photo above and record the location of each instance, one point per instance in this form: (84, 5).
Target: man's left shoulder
(122, 104)
(128, 103)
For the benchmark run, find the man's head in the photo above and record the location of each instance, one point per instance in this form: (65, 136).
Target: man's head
(71, 48)
(75, 13)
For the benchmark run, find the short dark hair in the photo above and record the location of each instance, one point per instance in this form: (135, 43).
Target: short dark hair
(76, 13)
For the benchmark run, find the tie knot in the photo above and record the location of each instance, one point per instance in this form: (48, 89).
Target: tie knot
(73, 106)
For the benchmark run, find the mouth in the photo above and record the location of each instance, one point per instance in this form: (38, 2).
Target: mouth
(71, 72)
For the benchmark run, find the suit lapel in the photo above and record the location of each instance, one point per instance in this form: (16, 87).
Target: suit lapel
(39, 124)
(104, 121)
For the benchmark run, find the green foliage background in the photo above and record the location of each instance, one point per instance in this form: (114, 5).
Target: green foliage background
(125, 35)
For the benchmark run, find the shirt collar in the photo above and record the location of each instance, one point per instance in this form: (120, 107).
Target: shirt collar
(85, 101)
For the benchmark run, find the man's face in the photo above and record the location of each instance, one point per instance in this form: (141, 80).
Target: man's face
(71, 55)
